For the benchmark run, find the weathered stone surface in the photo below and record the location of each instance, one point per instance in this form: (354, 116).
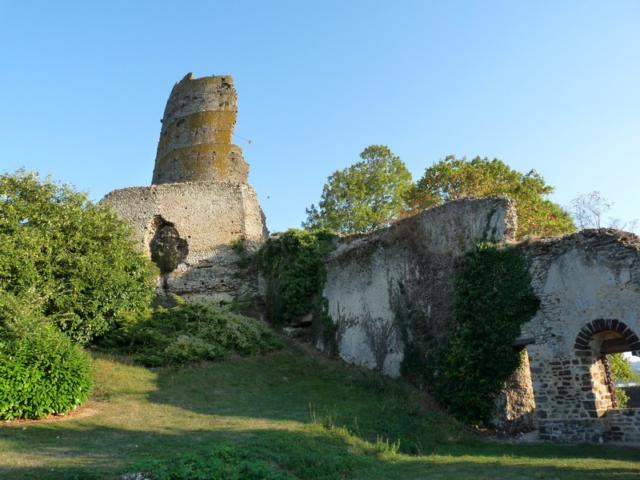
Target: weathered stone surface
(209, 216)
(589, 287)
(515, 406)
(197, 129)
(407, 267)
(200, 203)
(394, 289)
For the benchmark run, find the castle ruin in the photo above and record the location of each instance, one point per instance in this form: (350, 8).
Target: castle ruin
(200, 205)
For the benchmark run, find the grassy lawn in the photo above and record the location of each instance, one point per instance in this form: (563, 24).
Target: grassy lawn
(312, 417)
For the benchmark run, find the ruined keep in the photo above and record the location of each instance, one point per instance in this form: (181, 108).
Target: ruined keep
(197, 129)
(200, 204)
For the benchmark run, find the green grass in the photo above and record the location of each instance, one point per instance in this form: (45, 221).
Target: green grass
(303, 415)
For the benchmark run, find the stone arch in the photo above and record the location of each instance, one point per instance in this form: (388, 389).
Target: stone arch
(628, 339)
(595, 341)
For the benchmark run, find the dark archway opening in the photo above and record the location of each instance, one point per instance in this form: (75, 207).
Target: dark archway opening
(614, 349)
(167, 248)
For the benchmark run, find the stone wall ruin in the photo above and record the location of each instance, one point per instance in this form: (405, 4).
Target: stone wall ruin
(589, 287)
(200, 203)
(394, 288)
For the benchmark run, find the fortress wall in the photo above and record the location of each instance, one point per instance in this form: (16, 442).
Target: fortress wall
(403, 277)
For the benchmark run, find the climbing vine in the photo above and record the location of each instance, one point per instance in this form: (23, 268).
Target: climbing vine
(292, 265)
(493, 299)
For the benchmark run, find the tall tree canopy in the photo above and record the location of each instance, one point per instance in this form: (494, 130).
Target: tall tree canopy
(369, 194)
(454, 178)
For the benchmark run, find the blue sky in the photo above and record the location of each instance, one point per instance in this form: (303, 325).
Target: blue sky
(549, 85)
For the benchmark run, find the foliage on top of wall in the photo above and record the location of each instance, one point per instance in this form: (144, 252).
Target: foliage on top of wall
(494, 299)
(454, 178)
(293, 267)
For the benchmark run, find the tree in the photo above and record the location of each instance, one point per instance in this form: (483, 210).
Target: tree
(65, 258)
(454, 178)
(364, 196)
(589, 210)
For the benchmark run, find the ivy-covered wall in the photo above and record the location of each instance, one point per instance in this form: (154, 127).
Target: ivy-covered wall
(391, 295)
(293, 274)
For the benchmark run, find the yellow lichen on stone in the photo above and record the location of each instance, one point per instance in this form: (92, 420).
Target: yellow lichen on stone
(195, 141)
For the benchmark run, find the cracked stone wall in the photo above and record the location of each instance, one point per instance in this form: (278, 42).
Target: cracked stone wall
(200, 203)
(209, 217)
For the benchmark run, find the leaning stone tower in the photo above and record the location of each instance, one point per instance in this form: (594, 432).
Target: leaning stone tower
(200, 203)
(195, 140)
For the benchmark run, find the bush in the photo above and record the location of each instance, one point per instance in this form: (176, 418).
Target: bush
(293, 266)
(77, 255)
(41, 373)
(190, 333)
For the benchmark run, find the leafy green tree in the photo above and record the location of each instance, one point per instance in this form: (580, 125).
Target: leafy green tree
(364, 196)
(622, 372)
(454, 178)
(71, 260)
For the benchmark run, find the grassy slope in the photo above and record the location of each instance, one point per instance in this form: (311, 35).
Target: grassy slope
(265, 406)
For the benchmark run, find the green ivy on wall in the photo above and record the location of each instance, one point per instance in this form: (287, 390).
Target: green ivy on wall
(292, 265)
(494, 299)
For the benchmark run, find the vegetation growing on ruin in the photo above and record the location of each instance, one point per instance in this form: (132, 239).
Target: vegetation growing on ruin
(494, 299)
(292, 265)
(191, 333)
(454, 178)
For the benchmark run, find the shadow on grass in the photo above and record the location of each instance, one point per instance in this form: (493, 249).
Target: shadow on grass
(317, 454)
(265, 406)
(291, 385)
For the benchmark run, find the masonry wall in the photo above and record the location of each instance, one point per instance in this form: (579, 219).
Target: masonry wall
(589, 286)
(397, 285)
(197, 131)
(209, 216)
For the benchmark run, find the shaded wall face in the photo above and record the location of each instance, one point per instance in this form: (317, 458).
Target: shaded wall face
(589, 286)
(396, 285)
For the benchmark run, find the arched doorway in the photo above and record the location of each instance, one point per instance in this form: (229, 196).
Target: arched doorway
(596, 344)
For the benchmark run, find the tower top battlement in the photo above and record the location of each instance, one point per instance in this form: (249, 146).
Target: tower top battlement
(197, 130)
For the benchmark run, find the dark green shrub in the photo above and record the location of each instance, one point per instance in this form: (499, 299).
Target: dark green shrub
(41, 373)
(494, 298)
(77, 256)
(224, 463)
(293, 267)
(190, 333)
